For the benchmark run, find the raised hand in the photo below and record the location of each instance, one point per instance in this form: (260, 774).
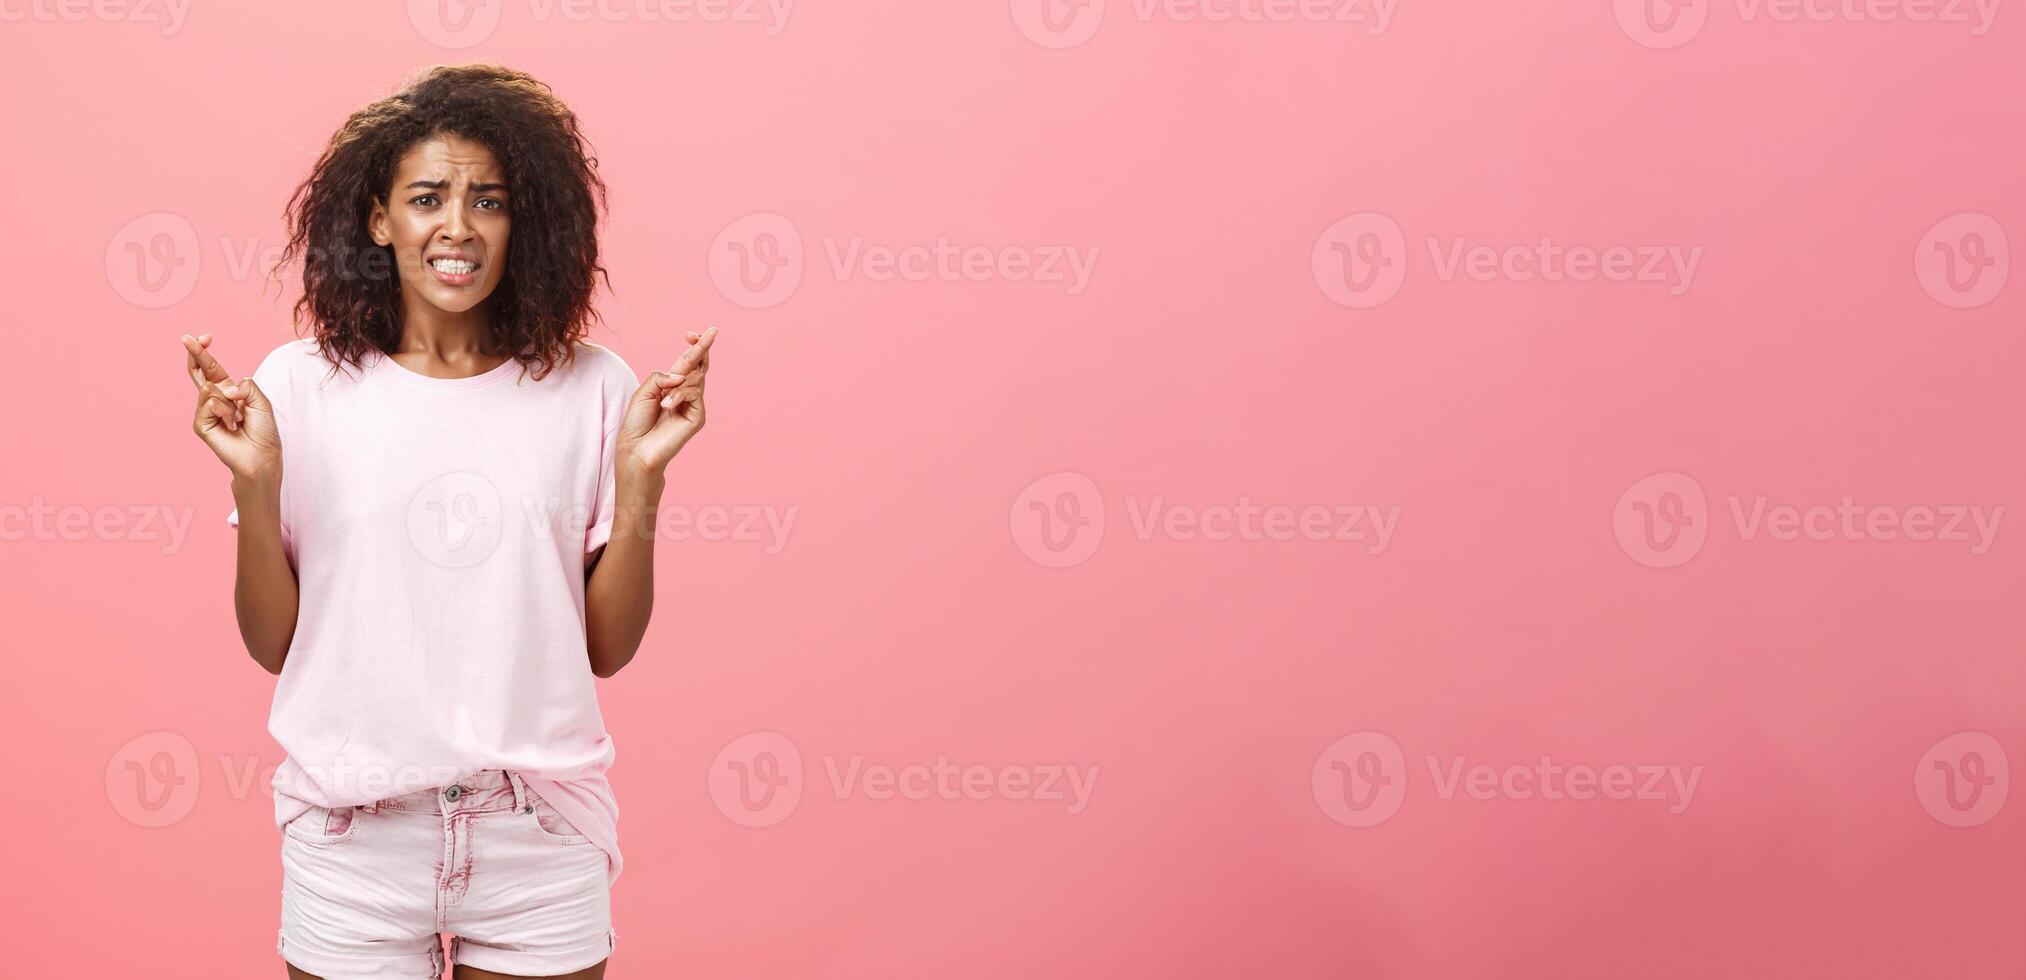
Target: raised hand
(667, 410)
(233, 417)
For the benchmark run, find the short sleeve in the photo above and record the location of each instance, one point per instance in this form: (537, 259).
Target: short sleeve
(616, 387)
(274, 380)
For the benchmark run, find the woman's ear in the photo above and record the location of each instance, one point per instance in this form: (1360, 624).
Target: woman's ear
(376, 223)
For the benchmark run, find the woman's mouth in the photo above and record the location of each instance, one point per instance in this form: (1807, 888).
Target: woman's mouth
(454, 272)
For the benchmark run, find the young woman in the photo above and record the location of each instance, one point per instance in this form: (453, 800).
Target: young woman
(445, 503)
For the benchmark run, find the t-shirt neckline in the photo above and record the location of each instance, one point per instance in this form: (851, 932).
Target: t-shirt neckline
(502, 370)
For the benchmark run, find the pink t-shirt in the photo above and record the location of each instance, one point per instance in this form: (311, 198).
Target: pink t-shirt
(439, 530)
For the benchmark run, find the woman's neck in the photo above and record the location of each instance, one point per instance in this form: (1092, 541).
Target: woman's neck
(448, 344)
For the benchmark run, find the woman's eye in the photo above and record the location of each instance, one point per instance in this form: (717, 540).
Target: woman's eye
(426, 200)
(491, 203)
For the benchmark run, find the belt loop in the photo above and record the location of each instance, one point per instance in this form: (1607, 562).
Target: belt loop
(373, 807)
(520, 791)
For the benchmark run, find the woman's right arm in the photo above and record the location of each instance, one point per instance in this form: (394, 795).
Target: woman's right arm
(237, 421)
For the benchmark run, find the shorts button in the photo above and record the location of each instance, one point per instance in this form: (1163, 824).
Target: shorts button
(453, 793)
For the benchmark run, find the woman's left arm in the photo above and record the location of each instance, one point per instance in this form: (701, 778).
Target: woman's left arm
(661, 418)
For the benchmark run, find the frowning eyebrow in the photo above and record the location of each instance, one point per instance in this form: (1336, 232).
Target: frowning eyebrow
(437, 185)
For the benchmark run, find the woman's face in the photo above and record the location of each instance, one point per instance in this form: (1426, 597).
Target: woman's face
(446, 219)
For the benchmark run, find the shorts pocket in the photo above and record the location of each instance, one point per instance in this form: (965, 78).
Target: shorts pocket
(550, 825)
(324, 825)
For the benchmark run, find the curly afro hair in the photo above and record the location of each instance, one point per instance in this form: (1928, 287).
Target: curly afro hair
(543, 304)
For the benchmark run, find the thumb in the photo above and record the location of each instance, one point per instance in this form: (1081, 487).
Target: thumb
(254, 396)
(656, 384)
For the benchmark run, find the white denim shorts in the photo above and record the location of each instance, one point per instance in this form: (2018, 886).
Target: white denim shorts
(368, 890)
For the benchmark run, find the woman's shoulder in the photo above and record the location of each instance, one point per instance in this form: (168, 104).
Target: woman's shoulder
(605, 364)
(298, 349)
(289, 361)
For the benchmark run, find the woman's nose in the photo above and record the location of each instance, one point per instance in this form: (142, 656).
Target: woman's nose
(455, 227)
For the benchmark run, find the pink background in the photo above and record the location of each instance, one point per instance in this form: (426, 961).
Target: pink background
(1520, 609)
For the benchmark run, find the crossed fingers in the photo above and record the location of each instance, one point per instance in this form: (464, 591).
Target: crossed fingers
(691, 368)
(211, 379)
